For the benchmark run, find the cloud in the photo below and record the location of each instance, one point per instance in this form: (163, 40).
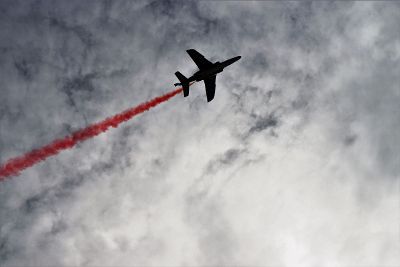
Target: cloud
(295, 162)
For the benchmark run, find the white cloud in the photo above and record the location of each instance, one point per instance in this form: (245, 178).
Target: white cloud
(295, 162)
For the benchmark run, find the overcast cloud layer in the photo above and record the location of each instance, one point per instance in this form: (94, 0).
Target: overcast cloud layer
(295, 162)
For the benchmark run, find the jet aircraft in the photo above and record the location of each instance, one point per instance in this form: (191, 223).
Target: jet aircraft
(207, 73)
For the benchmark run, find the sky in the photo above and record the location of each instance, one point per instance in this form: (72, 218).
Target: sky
(294, 163)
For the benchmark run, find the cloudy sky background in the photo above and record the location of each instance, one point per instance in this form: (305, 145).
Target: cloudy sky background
(295, 162)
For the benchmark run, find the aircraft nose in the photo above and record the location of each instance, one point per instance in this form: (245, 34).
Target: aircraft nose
(232, 60)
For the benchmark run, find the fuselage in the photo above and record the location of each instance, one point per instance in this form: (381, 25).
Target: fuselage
(216, 68)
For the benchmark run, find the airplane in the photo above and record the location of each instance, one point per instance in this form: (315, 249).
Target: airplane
(207, 73)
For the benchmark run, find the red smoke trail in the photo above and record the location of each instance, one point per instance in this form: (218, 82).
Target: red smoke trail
(15, 165)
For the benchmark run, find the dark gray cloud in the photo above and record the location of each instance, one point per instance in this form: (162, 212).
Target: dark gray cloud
(303, 132)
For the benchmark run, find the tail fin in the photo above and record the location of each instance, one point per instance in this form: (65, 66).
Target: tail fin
(185, 83)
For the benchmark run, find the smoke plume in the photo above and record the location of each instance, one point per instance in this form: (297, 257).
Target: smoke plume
(15, 165)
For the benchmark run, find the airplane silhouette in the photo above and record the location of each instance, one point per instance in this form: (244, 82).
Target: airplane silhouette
(207, 72)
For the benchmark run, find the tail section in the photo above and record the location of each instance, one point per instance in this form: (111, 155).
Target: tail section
(184, 82)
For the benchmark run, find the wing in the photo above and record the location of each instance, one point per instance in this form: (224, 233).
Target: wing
(199, 59)
(210, 87)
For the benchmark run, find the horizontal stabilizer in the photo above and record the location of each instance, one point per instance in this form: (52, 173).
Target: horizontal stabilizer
(184, 82)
